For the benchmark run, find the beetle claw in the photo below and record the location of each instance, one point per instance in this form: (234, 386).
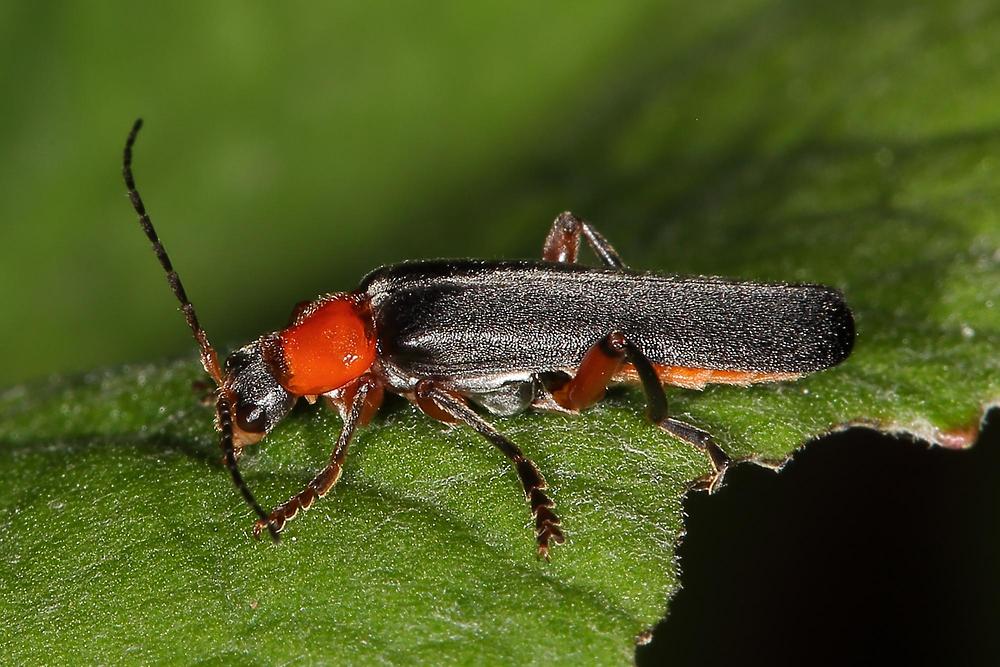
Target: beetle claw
(259, 525)
(711, 482)
(549, 533)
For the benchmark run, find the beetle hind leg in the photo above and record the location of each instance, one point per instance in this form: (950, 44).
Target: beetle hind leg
(656, 400)
(600, 365)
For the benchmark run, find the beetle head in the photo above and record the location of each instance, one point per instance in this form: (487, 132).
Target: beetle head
(259, 401)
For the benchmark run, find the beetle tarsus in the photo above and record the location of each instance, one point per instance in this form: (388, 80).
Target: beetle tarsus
(702, 440)
(285, 512)
(547, 524)
(547, 531)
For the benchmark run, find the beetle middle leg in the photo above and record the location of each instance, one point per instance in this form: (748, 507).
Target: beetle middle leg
(563, 242)
(364, 400)
(600, 365)
(446, 406)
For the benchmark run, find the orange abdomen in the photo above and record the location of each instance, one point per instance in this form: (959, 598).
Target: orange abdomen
(698, 378)
(331, 342)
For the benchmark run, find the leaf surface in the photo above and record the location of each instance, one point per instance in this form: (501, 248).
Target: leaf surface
(853, 147)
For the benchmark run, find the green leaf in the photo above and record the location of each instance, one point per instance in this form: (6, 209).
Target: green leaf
(850, 146)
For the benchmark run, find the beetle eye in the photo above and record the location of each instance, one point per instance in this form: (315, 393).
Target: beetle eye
(250, 419)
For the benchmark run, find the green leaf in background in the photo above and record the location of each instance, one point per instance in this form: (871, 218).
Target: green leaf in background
(853, 145)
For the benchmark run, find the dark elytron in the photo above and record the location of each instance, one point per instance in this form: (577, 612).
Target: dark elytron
(467, 319)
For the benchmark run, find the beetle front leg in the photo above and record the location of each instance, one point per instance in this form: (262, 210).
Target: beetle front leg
(563, 242)
(364, 402)
(602, 362)
(449, 407)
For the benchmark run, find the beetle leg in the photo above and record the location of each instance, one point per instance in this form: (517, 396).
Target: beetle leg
(656, 407)
(363, 403)
(450, 407)
(563, 242)
(343, 399)
(602, 362)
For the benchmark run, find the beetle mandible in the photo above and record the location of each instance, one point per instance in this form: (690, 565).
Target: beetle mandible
(509, 336)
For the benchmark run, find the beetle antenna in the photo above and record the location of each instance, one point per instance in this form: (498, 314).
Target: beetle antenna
(209, 359)
(226, 443)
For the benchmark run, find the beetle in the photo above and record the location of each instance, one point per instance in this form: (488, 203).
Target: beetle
(509, 336)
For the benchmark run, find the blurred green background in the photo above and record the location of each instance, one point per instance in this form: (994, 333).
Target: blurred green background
(285, 154)
(289, 151)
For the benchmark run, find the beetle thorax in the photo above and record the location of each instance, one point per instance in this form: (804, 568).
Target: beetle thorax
(330, 343)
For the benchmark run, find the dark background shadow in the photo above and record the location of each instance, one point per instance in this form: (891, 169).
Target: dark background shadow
(866, 549)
